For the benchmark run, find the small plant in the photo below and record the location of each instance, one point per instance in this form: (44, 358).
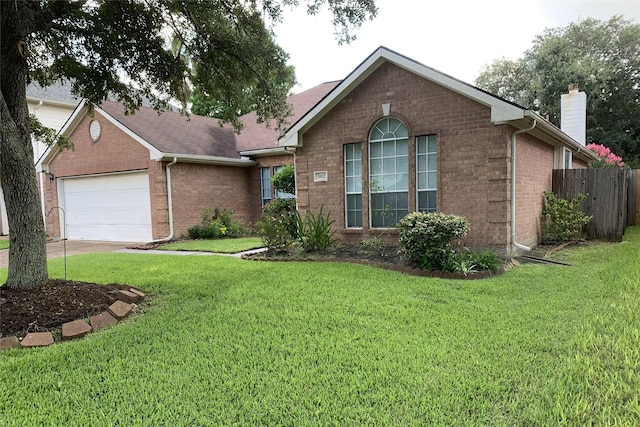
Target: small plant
(371, 246)
(314, 232)
(487, 260)
(426, 239)
(562, 220)
(277, 225)
(216, 224)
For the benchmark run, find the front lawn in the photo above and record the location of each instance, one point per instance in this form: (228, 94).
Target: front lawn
(221, 246)
(4, 244)
(226, 341)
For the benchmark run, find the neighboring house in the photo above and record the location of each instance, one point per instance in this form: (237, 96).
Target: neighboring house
(394, 137)
(52, 105)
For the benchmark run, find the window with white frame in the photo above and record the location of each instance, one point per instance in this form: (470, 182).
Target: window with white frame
(388, 172)
(282, 194)
(567, 158)
(353, 184)
(426, 173)
(265, 185)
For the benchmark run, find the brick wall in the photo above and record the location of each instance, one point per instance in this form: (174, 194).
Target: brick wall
(534, 164)
(196, 187)
(472, 153)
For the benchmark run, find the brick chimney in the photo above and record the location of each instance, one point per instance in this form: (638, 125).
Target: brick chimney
(573, 114)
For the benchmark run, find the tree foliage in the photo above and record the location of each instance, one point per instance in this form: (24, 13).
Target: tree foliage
(603, 57)
(119, 50)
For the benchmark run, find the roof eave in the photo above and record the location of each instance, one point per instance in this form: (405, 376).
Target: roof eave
(265, 152)
(201, 159)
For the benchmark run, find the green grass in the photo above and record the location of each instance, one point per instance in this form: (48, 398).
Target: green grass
(4, 244)
(232, 342)
(223, 246)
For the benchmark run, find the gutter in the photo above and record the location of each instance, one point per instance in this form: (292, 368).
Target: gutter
(211, 160)
(169, 203)
(514, 244)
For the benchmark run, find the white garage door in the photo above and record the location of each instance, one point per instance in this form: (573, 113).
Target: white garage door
(111, 207)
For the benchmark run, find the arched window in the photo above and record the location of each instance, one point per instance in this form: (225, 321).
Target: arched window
(388, 172)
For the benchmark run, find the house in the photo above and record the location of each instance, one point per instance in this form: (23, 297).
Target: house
(52, 105)
(150, 176)
(397, 136)
(393, 137)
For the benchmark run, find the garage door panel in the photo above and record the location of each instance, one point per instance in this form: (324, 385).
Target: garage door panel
(109, 207)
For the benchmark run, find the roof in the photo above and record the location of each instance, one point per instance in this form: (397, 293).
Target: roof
(257, 136)
(502, 111)
(193, 138)
(58, 92)
(172, 132)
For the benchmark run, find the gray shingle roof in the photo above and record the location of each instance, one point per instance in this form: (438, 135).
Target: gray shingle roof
(171, 132)
(57, 92)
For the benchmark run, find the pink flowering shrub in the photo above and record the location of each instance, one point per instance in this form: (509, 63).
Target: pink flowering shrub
(607, 158)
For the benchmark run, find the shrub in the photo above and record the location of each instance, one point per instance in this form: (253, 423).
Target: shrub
(314, 232)
(215, 224)
(277, 226)
(562, 220)
(426, 239)
(285, 180)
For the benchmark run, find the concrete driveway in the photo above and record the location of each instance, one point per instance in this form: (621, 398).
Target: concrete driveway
(73, 247)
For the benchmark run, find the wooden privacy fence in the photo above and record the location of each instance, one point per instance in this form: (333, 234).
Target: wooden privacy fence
(611, 198)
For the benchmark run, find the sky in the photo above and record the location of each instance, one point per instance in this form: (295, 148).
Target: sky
(456, 37)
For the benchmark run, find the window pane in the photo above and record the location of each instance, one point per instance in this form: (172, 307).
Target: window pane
(422, 181)
(402, 164)
(388, 182)
(388, 149)
(375, 150)
(431, 163)
(402, 148)
(357, 168)
(349, 169)
(432, 144)
(403, 182)
(389, 165)
(422, 163)
(376, 167)
(432, 180)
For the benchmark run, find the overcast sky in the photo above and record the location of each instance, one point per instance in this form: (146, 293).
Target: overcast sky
(456, 37)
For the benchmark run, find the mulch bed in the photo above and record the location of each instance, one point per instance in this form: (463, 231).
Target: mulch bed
(47, 307)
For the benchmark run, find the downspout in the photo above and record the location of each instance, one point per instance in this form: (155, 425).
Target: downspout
(169, 202)
(514, 244)
(292, 150)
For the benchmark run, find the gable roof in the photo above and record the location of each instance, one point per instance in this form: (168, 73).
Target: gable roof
(257, 136)
(193, 138)
(502, 111)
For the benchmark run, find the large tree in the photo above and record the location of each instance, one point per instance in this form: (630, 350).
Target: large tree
(119, 49)
(603, 57)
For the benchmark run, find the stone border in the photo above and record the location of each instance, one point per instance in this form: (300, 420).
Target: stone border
(125, 304)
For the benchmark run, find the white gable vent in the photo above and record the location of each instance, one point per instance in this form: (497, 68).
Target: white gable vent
(573, 114)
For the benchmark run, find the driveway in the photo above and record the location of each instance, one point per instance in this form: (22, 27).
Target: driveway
(72, 247)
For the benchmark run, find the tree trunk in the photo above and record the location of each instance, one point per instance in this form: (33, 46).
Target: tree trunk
(27, 250)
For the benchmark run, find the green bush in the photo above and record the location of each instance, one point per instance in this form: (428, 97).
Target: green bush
(426, 239)
(314, 233)
(487, 260)
(562, 220)
(285, 180)
(216, 224)
(277, 226)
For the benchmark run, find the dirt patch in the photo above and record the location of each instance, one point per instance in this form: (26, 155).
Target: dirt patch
(47, 307)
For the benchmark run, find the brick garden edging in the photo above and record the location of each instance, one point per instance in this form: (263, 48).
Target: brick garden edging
(124, 305)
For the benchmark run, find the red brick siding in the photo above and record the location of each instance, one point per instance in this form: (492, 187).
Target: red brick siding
(196, 187)
(534, 164)
(472, 152)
